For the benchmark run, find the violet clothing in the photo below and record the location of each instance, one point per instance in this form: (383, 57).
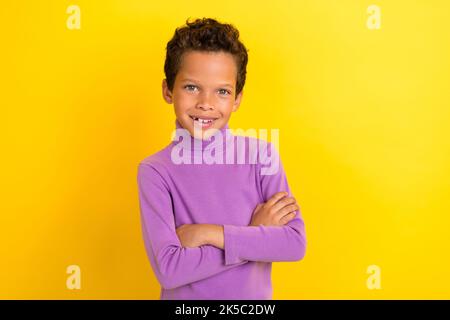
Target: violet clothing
(172, 194)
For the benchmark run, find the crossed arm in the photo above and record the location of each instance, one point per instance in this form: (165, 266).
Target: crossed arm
(277, 211)
(183, 255)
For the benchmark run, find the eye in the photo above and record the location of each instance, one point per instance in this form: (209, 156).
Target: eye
(189, 87)
(224, 92)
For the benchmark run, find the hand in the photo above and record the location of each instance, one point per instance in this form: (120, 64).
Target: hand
(277, 211)
(195, 235)
(191, 235)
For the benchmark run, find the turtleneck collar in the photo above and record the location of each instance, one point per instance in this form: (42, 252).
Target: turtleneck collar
(200, 144)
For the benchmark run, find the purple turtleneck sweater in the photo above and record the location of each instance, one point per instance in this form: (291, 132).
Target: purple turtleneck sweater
(172, 194)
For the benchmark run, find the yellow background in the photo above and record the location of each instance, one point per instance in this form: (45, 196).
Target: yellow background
(364, 137)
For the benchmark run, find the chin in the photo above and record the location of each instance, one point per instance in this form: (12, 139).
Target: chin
(205, 133)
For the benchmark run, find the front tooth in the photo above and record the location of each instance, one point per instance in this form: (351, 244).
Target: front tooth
(202, 120)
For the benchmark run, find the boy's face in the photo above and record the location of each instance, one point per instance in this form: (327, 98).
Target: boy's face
(204, 91)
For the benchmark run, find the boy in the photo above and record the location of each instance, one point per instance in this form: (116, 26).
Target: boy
(212, 231)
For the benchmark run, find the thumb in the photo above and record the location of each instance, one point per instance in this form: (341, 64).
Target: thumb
(257, 207)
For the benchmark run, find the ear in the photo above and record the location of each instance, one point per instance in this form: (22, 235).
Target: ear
(237, 101)
(167, 95)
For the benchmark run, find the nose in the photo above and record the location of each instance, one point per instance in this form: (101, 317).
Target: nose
(204, 102)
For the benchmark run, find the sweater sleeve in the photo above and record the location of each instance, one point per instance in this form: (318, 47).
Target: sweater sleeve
(172, 264)
(267, 243)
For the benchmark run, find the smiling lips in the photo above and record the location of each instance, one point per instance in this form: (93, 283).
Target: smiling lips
(203, 121)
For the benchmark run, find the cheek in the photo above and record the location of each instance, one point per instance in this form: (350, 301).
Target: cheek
(183, 101)
(187, 99)
(228, 106)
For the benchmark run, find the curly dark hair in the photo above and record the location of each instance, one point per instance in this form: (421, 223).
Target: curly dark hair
(205, 34)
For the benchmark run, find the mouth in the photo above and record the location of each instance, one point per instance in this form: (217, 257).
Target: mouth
(204, 122)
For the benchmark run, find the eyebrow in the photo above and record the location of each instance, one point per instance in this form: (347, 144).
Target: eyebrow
(221, 85)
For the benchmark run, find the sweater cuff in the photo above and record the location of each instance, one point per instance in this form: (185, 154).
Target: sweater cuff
(230, 234)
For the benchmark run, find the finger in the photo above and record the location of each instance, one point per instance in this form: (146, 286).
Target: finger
(275, 198)
(283, 203)
(288, 209)
(288, 218)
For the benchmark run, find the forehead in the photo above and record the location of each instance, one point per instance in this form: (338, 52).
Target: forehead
(208, 66)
